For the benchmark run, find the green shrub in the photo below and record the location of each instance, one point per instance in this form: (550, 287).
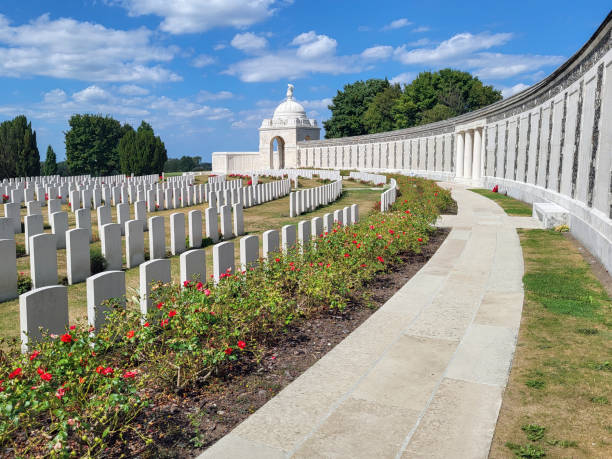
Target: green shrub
(97, 261)
(24, 283)
(20, 250)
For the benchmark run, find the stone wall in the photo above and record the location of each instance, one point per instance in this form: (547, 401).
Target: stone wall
(550, 143)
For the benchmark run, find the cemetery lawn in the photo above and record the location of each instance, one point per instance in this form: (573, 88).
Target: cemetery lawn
(257, 219)
(510, 205)
(557, 402)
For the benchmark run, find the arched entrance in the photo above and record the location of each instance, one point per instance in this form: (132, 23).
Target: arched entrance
(277, 153)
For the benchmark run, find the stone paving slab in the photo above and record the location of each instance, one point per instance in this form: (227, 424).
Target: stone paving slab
(424, 375)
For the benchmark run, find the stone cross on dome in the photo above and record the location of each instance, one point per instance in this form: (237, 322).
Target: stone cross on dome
(290, 91)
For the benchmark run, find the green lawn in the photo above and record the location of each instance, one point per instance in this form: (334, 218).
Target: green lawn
(510, 205)
(557, 402)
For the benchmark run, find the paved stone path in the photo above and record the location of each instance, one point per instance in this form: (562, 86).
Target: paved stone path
(424, 375)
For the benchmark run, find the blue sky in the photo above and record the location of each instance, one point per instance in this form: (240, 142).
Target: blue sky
(204, 73)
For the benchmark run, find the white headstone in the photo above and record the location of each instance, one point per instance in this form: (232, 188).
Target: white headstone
(59, 226)
(102, 287)
(195, 229)
(83, 221)
(238, 220)
(226, 222)
(152, 271)
(33, 225)
(78, 266)
(212, 224)
(134, 243)
(111, 246)
(288, 234)
(304, 234)
(43, 308)
(123, 215)
(157, 238)
(8, 271)
(249, 252)
(43, 260)
(193, 266)
(223, 259)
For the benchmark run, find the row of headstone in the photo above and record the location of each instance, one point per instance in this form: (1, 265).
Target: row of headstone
(250, 195)
(46, 306)
(303, 201)
(388, 197)
(376, 179)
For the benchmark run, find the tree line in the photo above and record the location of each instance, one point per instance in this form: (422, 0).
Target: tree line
(376, 105)
(95, 144)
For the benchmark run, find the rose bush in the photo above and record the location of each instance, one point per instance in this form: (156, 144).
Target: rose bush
(79, 392)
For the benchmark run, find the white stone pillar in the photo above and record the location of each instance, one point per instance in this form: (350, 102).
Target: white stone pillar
(476, 160)
(467, 154)
(459, 162)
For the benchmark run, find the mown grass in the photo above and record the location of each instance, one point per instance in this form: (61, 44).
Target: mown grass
(510, 205)
(557, 400)
(257, 219)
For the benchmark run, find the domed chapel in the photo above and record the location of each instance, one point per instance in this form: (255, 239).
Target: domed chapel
(278, 138)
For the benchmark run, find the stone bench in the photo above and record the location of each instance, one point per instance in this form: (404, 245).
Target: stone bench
(550, 214)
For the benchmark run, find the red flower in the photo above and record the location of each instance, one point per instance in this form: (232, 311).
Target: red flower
(346, 255)
(46, 376)
(16, 372)
(129, 374)
(199, 286)
(379, 258)
(391, 231)
(66, 338)
(206, 292)
(186, 283)
(164, 322)
(73, 327)
(99, 369)
(130, 334)
(229, 351)
(241, 344)
(160, 305)
(33, 355)
(146, 324)
(420, 239)
(363, 265)
(277, 260)
(495, 189)
(107, 371)
(40, 371)
(60, 393)
(171, 313)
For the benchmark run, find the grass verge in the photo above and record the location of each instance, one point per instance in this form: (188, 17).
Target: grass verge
(557, 400)
(510, 205)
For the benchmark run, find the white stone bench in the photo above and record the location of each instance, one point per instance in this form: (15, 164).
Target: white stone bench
(550, 214)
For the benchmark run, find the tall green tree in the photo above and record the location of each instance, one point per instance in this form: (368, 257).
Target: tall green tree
(50, 164)
(141, 152)
(92, 145)
(349, 106)
(379, 115)
(434, 96)
(19, 156)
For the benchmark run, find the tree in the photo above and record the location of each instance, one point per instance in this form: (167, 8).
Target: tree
(91, 145)
(50, 164)
(349, 106)
(379, 115)
(19, 156)
(141, 152)
(435, 96)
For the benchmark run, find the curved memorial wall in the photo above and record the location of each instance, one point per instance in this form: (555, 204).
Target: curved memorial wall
(550, 143)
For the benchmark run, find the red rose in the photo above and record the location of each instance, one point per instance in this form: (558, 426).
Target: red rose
(146, 324)
(66, 338)
(420, 239)
(129, 374)
(241, 344)
(346, 255)
(172, 313)
(46, 376)
(73, 327)
(130, 334)
(379, 258)
(33, 355)
(16, 372)
(160, 305)
(229, 351)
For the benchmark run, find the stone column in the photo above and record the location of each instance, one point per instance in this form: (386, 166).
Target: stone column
(476, 160)
(467, 154)
(459, 162)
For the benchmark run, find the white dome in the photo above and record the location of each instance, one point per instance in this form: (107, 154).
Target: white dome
(289, 110)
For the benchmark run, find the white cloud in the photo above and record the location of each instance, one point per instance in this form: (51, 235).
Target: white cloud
(202, 61)
(457, 46)
(219, 46)
(507, 92)
(206, 95)
(55, 96)
(66, 48)
(91, 94)
(190, 16)
(402, 78)
(397, 24)
(500, 66)
(377, 52)
(132, 90)
(249, 42)
(307, 53)
(421, 29)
